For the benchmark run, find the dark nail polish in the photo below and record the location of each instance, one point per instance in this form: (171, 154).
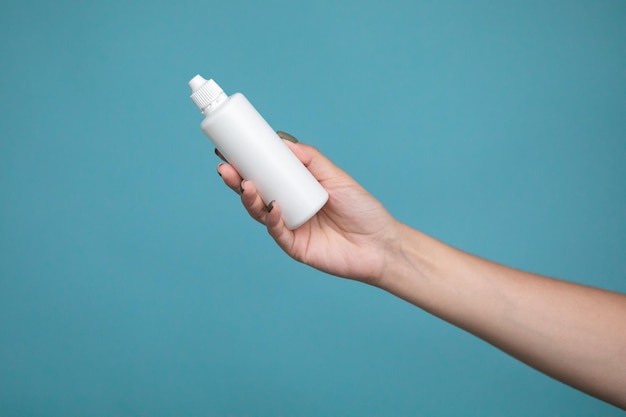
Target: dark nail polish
(270, 206)
(286, 136)
(219, 155)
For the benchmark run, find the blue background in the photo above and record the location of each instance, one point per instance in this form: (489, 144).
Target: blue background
(133, 283)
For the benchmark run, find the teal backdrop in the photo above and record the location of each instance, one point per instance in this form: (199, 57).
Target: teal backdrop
(132, 283)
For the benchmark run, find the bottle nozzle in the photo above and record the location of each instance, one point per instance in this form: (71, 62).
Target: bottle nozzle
(196, 82)
(205, 93)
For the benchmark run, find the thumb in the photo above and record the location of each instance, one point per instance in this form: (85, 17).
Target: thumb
(320, 166)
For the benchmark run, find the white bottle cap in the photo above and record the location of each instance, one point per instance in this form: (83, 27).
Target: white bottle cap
(205, 93)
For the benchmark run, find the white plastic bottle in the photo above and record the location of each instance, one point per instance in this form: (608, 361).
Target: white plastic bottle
(248, 142)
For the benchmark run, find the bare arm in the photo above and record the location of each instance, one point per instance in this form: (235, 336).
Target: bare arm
(574, 333)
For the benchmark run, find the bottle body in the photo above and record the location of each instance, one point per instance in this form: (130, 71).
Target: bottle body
(247, 141)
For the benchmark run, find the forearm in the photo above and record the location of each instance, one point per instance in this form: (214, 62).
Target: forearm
(573, 333)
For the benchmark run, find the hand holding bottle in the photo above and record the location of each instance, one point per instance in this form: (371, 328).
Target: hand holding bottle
(351, 236)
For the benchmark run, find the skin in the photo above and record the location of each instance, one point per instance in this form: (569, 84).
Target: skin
(571, 332)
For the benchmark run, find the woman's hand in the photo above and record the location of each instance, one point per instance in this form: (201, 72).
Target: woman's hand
(574, 333)
(352, 236)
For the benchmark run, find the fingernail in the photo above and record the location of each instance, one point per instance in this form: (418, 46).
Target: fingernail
(241, 186)
(270, 206)
(219, 154)
(286, 136)
(218, 169)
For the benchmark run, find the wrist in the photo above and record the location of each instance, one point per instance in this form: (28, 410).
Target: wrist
(414, 267)
(403, 258)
